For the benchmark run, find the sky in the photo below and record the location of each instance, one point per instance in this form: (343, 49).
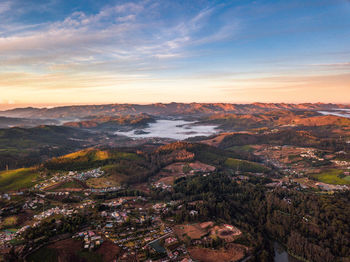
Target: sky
(58, 52)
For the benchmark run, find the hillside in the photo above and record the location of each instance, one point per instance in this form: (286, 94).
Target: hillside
(17, 179)
(274, 118)
(7, 122)
(129, 165)
(114, 122)
(304, 138)
(29, 146)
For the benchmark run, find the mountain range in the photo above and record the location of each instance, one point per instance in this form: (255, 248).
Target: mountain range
(160, 109)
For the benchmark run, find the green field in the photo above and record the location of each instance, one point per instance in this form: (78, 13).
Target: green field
(17, 179)
(332, 177)
(246, 148)
(245, 166)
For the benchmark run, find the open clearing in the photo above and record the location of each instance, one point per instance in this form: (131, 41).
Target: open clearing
(245, 166)
(227, 232)
(332, 177)
(72, 185)
(233, 252)
(102, 182)
(194, 231)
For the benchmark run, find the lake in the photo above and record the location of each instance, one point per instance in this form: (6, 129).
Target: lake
(175, 129)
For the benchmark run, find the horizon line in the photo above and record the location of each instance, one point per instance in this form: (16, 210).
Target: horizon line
(48, 106)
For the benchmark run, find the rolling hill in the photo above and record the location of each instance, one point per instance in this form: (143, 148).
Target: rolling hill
(29, 146)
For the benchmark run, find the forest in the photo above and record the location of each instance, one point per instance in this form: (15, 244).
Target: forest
(313, 227)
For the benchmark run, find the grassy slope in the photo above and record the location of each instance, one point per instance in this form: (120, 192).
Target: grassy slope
(119, 166)
(29, 146)
(17, 179)
(246, 148)
(89, 158)
(245, 166)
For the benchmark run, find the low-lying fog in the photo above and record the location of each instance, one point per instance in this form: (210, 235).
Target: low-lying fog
(175, 129)
(337, 112)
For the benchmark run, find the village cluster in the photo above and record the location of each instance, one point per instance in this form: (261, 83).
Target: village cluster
(63, 177)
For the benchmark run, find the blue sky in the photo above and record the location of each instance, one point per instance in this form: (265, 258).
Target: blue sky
(84, 51)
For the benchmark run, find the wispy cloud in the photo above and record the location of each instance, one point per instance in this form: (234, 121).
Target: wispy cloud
(5, 6)
(116, 34)
(340, 64)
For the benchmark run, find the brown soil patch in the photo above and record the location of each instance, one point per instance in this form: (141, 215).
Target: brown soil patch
(207, 224)
(194, 231)
(228, 233)
(102, 182)
(232, 253)
(67, 249)
(169, 180)
(25, 217)
(198, 166)
(57, 187)
(109, 251)
(176, 167)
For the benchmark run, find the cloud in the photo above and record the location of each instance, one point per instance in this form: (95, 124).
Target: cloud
(126, 18)
(63, 81)
(341, 64)
(4, 7)
(124, 32)
(285, 83)
(120, 49)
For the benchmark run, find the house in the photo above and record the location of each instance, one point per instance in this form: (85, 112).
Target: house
(170, 240)
(193, 212)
